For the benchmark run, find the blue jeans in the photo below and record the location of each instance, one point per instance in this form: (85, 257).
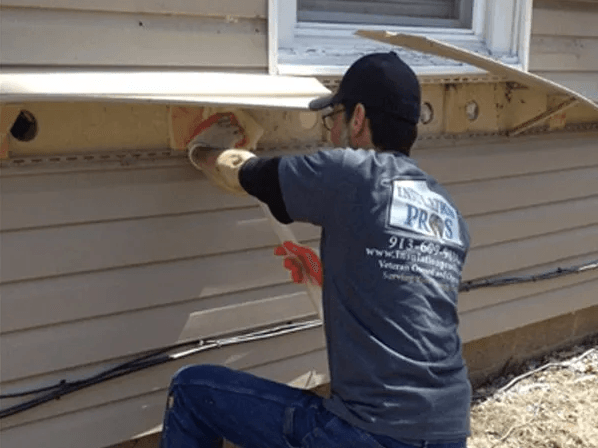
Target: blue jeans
(208, 403)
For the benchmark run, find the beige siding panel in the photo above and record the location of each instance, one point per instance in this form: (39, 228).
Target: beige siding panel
(79, 197)
(47, 301)
(235, 8)
(215, 281)
(560, 22)
(65, 430)
(486, 297)
(511, 256)
(45, 37)
(474, 198)
(97, 427)
(279, 351)
(584, 83)
(45, 349)
(558, 53)
(507, 316)
(533, 221)
(80, 248)
(508, 157)
(117, 193)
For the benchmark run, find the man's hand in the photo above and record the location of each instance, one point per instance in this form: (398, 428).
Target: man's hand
(221, 167)
(304, 263)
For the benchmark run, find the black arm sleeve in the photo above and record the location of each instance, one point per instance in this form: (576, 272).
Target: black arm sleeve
(259, 177)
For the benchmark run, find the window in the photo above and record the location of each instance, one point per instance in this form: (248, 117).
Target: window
(317, 37)
(442, 13)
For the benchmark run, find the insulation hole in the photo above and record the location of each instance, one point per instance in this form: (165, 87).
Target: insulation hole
(24, 128)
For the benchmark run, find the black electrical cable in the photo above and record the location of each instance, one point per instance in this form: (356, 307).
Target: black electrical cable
(148, 360)
(160, 356)
(504, 281)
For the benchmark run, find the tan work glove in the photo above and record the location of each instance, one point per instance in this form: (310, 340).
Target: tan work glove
(221, 167)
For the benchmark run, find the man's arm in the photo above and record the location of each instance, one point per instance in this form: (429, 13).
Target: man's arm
(259, 177)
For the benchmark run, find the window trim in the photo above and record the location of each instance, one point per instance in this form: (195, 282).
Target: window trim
(508, 44)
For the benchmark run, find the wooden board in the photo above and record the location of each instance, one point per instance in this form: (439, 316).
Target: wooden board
(433, 46)
(234, 8)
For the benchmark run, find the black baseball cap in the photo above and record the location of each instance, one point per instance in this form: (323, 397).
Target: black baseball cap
(382, 82)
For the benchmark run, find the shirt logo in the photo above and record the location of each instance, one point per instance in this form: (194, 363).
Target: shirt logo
(416, 208)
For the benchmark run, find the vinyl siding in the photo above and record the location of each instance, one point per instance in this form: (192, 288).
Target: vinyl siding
(564, 44)
(102, 264)
(202, 34)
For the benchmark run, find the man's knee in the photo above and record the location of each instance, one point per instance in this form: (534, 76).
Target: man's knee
(199, 374)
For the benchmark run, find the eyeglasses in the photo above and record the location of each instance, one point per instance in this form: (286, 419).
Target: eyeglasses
(328, 119)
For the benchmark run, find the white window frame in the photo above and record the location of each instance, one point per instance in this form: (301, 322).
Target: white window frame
(501, 28)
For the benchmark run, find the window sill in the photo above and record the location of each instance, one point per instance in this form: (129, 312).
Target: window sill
(320, 50)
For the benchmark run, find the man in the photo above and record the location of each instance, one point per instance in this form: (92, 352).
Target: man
(393, 246)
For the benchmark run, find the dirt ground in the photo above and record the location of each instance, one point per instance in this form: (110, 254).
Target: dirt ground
(550, 402)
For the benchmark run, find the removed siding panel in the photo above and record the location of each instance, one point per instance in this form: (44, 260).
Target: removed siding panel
(119, 39)
(246, 8)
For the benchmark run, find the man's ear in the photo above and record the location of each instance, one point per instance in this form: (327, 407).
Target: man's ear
(358, 121)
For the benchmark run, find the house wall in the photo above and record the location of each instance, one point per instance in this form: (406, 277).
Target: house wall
(105, 260)
(564, 44)
(111, 245)
(153, 33)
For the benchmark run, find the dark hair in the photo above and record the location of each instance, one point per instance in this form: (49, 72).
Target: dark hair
(389, 132)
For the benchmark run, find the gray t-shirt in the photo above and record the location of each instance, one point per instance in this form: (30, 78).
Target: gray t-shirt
(393, 246)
